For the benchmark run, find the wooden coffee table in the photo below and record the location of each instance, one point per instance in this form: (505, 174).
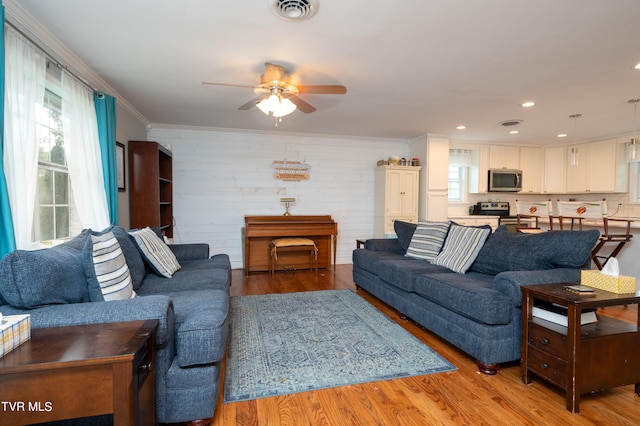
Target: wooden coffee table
(80, 371)
(579, 358)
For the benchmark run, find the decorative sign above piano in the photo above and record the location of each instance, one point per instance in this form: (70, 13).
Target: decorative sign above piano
(291, 170)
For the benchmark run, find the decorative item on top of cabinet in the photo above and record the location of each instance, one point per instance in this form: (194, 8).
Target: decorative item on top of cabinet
(396, 197)
(150, 186)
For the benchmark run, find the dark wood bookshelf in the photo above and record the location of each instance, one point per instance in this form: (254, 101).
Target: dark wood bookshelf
(150, 186)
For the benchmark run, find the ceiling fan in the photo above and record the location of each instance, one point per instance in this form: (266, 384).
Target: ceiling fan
(278, 96)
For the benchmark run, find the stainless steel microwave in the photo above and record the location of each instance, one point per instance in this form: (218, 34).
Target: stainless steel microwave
(505, 180)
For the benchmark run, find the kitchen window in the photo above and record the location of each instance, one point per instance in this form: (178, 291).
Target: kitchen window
(459, 162)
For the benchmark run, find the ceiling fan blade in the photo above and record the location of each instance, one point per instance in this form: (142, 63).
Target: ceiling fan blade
(209, 83)
(324, 90)
(250, 104)
(302, 105)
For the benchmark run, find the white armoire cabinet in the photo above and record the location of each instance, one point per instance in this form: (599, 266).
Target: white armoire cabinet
(396, 197)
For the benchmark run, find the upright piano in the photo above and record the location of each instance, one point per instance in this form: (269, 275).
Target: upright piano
(260, 230)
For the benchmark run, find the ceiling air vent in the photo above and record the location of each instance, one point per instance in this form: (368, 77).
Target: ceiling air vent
(294, 10)
(509, 123)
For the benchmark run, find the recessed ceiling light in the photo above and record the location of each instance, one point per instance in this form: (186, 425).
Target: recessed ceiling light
(514, 132)
(528, 104)
(562, 135)
(461, 127)
(637, 66)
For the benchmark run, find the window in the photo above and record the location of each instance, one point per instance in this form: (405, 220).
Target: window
(457, 179)
(55, 215)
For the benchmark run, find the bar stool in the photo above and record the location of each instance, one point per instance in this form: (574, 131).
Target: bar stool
(576, 212)
(533, 210)
(283, 245)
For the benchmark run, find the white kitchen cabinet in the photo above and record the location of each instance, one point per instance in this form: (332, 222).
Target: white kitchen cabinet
(433, 153)
(504, 157)
(555, 160)
(438, 202)
(531, 164)
(601, 168)
(577, 174)
(396, 197)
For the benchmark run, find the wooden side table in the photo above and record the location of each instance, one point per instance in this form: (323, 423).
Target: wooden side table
(80, 371)
(579, 358)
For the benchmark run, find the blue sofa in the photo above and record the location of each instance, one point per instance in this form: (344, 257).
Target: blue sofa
(478, 311)
(192, 309)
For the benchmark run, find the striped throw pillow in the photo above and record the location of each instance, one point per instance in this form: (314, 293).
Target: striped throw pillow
(157, 254)
(111, 268)
(461, 247)
(427, 240)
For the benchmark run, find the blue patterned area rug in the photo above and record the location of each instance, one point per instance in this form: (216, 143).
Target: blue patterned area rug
(295, 342)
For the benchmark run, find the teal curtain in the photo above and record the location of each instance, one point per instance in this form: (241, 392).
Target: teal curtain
(106, 114)
(7, 238)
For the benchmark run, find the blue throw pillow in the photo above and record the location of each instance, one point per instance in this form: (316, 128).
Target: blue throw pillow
(34, 278)
(514, 251)
(404, 231)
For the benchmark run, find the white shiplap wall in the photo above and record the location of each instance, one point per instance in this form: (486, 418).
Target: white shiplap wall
(220, 176)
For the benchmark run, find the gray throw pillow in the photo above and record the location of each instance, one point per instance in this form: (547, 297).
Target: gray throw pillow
(427, 240)
(461, 247)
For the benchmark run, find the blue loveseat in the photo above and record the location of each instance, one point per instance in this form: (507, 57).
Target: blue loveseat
(478, 311)
(192, 309)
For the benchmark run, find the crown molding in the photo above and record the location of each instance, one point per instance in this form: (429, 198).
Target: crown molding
(23, 20)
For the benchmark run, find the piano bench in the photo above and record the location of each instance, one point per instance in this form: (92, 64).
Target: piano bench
(284, 245)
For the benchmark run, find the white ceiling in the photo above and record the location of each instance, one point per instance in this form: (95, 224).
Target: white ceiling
(410, 67)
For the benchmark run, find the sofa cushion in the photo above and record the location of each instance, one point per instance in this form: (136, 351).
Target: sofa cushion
(404, 231)
(399, 272)
(427, 240)
(106, 268)
(461, 247)
(471, 295)
(509, 251)
(155, 252)
(29, 279)
(370, 260)
(201, 326)
(187, 279)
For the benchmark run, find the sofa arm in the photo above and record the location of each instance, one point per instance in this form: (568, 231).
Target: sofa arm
(509, 282)
(186, 252)
(140, 308)
(384, 244)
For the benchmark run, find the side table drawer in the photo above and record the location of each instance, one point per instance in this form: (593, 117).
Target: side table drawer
(143, 363)
(547, 366)
(547, 340)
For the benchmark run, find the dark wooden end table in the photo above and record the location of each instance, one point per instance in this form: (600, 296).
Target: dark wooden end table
(579, 358)
(80, 371)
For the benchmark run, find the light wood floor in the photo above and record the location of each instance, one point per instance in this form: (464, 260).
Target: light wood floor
(462, 397)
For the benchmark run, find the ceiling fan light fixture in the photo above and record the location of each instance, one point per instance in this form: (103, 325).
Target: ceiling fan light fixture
(294, 10)
(276, 106)
(285, 107)
(263, 105)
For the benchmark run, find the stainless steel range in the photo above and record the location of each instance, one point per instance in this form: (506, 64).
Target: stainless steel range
(500, 209)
